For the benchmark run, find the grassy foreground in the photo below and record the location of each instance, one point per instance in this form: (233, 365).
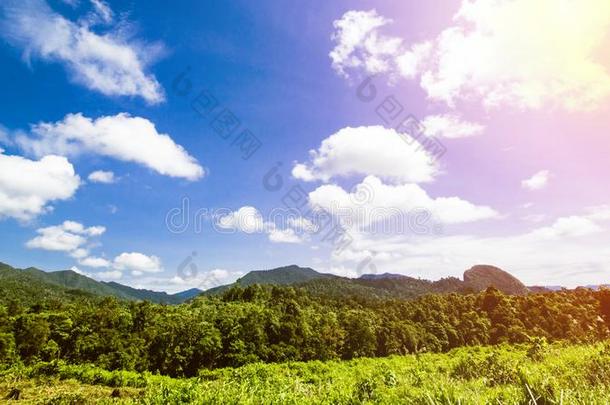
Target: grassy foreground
(536, 374)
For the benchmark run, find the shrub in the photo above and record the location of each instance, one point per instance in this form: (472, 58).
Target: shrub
(494, 368)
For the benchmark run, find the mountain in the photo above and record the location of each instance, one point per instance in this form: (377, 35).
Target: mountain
(385, 285)
(73, 280)
(382, 286)
(188, 294)
(27, 287)
(32, 284)
(162, 297)
(480, 277)
(287, 275)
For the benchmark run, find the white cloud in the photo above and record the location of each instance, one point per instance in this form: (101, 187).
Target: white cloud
(450, 126)
(372, 201)
(101, 176)
(537, 181)
(69, 237)
(95, 262)
(571, 250)
(28, 186)
(108, 275)
(359, 44)
(72, 238)
(137, 263)
(56, 238)
(79, 253)
(126, 138)
(247, 219)
(203, 280)
(368, 150)
(567, 227)
(287, 235)
(483, 55)
(76, 227)
(4, 136)
(103, 10)
(106, 62)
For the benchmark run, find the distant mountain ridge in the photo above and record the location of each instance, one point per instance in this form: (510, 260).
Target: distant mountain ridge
(286, 275)
(385, 285)
(67, 284)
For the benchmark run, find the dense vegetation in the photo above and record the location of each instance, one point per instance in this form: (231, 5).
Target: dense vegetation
(534, 373)
(385, 286)
(280, 324)
(30, 286)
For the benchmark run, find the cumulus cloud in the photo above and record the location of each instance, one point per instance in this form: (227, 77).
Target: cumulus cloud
(368, 150)
(360, 45)
(249, 220)
(75, 239)
(137, 263)
(567, 227)
(482, 55)
(93, 261)
(27, 187)
(101, 176)
(287, 235)
(72, 238)
(106, 62)
(372, 201)
(537, 181)
(246, 219)
(68, 237)
(450, 126)
(123, 137)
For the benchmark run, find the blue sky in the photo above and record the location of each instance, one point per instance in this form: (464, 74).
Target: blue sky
(94, 83)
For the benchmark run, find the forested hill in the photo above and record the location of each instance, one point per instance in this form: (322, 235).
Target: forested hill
(385, 285)
(32, 285)
(286, 275)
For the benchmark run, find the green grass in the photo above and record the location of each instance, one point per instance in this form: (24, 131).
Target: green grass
(556, 374)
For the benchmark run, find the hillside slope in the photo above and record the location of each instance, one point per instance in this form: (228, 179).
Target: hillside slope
(480, 277)
(32, 285)
(286, 275)
(384, 285)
